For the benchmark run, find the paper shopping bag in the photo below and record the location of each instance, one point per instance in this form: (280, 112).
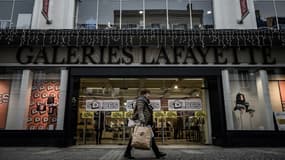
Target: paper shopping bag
(141, 138)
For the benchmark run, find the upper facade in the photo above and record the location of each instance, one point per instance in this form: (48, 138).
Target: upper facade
(142, 14)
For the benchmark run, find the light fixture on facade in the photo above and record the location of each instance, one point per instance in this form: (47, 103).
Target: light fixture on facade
(140, 12)
(209, 12)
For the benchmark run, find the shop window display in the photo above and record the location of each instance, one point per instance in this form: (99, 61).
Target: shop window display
(276, 80)
(9, 95)
(44, 101)
(247, 104)
(4, 101)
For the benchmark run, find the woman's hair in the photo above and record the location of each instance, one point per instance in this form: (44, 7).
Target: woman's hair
(144, 91)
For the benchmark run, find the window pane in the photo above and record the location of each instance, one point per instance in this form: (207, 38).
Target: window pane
(179, 15)
(132, 14)
(248, 104)
(10, 84)
(107, 10)
(5, 13)
(202, 14)
(280, 6)
(44, 100)
(277, 90)
(276, 85)
(155, 16)
(87, 14)
(23, 14)
(265, 15)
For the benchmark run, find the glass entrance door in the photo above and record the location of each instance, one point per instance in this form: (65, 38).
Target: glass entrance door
(105, 104)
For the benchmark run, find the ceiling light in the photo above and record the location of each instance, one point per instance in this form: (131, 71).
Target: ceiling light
(175, 87)
(140, 12)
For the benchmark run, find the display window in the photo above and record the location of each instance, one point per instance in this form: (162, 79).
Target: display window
(32, 99)
(247, 100)
(44, 101)
(10, 81)
(9, 92)
(43, 104)
(276, 80)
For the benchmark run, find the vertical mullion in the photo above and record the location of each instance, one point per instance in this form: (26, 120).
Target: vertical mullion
(190, 13)
(276, 15)
(12, 14)
(97, 14)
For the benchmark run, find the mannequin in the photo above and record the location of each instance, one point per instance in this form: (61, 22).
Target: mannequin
(242, 107)
(242, 104)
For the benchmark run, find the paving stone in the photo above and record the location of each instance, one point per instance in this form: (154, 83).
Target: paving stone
(116, 153)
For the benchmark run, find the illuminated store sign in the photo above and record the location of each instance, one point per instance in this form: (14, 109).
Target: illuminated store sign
(185, 104)
(155, 103)
(102, 105)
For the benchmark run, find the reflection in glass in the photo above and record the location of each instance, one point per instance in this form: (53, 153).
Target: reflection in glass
(202, 14)
(280, 5)
(178, 14)
(107, 14)
(265, 15)
(132, 14)
(87, 14)
(5, 13)
(21, 16)
(155, 14)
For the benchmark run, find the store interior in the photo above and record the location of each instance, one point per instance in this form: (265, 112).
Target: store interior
(171, 126)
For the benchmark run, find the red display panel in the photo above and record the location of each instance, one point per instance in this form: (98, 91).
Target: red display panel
(43, 105)
(4, 101)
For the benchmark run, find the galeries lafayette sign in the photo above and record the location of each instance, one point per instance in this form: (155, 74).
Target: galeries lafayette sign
(178, 56)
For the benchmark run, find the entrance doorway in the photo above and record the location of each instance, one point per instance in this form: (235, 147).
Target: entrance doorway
(105, 104)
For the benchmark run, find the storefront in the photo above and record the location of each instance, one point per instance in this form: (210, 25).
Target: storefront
(208, 87)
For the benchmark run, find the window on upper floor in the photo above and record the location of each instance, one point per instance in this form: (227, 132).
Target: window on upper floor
(145, 14)
(270, 13)
(16, 13)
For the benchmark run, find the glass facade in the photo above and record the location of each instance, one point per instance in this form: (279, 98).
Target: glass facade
(270, 13)
(280, 5)
(106, 13)
(202, 14)
(145, 14)
(16, 14)
(156, 14)
(132, 15)
(31, 99)
(88, 15)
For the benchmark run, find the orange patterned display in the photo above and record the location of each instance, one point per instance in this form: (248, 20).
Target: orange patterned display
(4, 101)
(43, 105)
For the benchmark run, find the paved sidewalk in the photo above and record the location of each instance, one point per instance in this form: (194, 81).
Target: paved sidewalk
(114, 152)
